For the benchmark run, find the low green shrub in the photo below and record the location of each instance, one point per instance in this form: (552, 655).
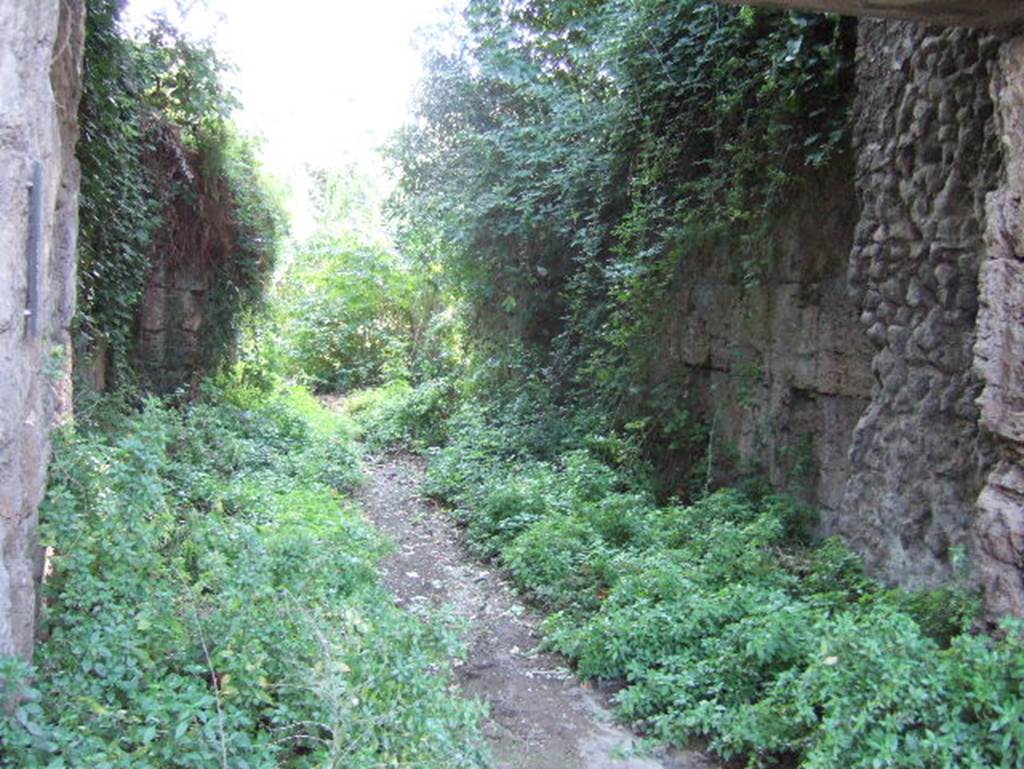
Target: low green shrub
(876, 692)
(213, 602)
(345, 311)
(721, 618)
(621, 520)
(561, 561)
(400, 414)
(508, 506)
(459, 471)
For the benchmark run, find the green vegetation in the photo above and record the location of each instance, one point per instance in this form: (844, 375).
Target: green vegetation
(569, 162)
(213, 598)
(721, 617)
(401, 415)
(568, 159)
(214, 603)
(164, 176)
(345, 313)
(350, 310)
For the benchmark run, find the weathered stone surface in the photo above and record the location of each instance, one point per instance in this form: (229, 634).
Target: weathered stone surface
(927, 157)
(782, 368)
(174, 325)
(999, 352)
(965, 13)
(172, 316)
(40, 63)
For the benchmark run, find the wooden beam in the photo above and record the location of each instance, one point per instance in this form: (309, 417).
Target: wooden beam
(950, 13)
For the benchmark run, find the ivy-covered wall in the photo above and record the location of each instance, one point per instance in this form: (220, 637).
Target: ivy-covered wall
(969, 13)
(781, 369)
(179, 231)
(611, 179)
(208, 262)
(59, 248)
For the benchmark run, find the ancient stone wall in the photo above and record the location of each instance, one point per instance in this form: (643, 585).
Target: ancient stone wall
(172, 315)
(196, 242)
(40, 80)
(882, 356)
(999, 351)
(969, 13)
(927, 158)
(781, 368)
(937, 459)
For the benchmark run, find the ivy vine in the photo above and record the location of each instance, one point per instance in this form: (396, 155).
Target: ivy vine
(570, 157)
(149, 104)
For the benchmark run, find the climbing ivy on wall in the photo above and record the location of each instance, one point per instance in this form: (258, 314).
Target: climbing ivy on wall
(570, 156)
(118, 216)
(157, 147)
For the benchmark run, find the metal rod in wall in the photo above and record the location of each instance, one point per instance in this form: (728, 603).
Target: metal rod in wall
(35, 242)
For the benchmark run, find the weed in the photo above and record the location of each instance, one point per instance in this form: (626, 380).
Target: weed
(214, 602)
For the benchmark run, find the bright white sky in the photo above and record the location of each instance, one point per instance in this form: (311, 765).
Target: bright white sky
(324, 82)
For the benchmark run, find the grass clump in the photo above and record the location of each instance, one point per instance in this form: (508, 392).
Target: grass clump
(214, 602)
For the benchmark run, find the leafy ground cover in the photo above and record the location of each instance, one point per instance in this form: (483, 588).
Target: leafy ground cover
(213, 602)
(721, 617)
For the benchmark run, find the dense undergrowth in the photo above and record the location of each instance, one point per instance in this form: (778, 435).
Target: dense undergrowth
(213, 603)
(570, 165)
(722, 618)
(350, 310)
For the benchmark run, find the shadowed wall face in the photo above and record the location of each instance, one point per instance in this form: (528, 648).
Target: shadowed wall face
(781, 369)
(966, 13)
(40, 77)
(887, 347)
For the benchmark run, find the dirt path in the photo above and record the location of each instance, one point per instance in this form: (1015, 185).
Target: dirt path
(541, 716)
